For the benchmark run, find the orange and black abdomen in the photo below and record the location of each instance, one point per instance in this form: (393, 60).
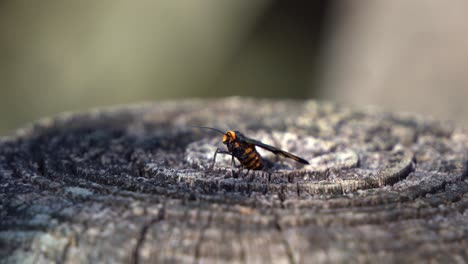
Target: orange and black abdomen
(251, 159)
(247, 156)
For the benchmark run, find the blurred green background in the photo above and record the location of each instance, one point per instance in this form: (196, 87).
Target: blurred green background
(401, 55)
(71, 55)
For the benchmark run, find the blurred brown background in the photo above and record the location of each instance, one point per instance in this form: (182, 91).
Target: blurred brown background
(60, 56)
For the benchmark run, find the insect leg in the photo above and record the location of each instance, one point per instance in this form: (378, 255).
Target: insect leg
(220, 151)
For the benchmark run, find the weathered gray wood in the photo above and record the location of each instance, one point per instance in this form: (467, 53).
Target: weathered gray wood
(132, 184)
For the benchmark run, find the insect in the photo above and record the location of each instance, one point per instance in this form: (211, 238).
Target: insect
(243, 149)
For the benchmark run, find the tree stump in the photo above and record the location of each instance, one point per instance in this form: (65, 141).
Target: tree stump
(134, 184)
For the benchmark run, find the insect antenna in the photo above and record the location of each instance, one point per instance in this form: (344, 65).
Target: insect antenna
(212, 128)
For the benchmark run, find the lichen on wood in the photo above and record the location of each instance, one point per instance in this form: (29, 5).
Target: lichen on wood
(134, 184)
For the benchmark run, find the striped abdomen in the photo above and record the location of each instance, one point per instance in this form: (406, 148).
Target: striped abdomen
(250, 159)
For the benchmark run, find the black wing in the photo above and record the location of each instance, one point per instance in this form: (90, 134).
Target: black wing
(275, 150)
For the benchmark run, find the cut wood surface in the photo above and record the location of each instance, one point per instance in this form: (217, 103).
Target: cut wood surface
(134, 185)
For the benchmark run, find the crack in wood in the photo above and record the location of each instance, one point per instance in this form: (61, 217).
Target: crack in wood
(287, 247)
(243, 253)
(66, 249)
(142, 235)
(201, 238)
